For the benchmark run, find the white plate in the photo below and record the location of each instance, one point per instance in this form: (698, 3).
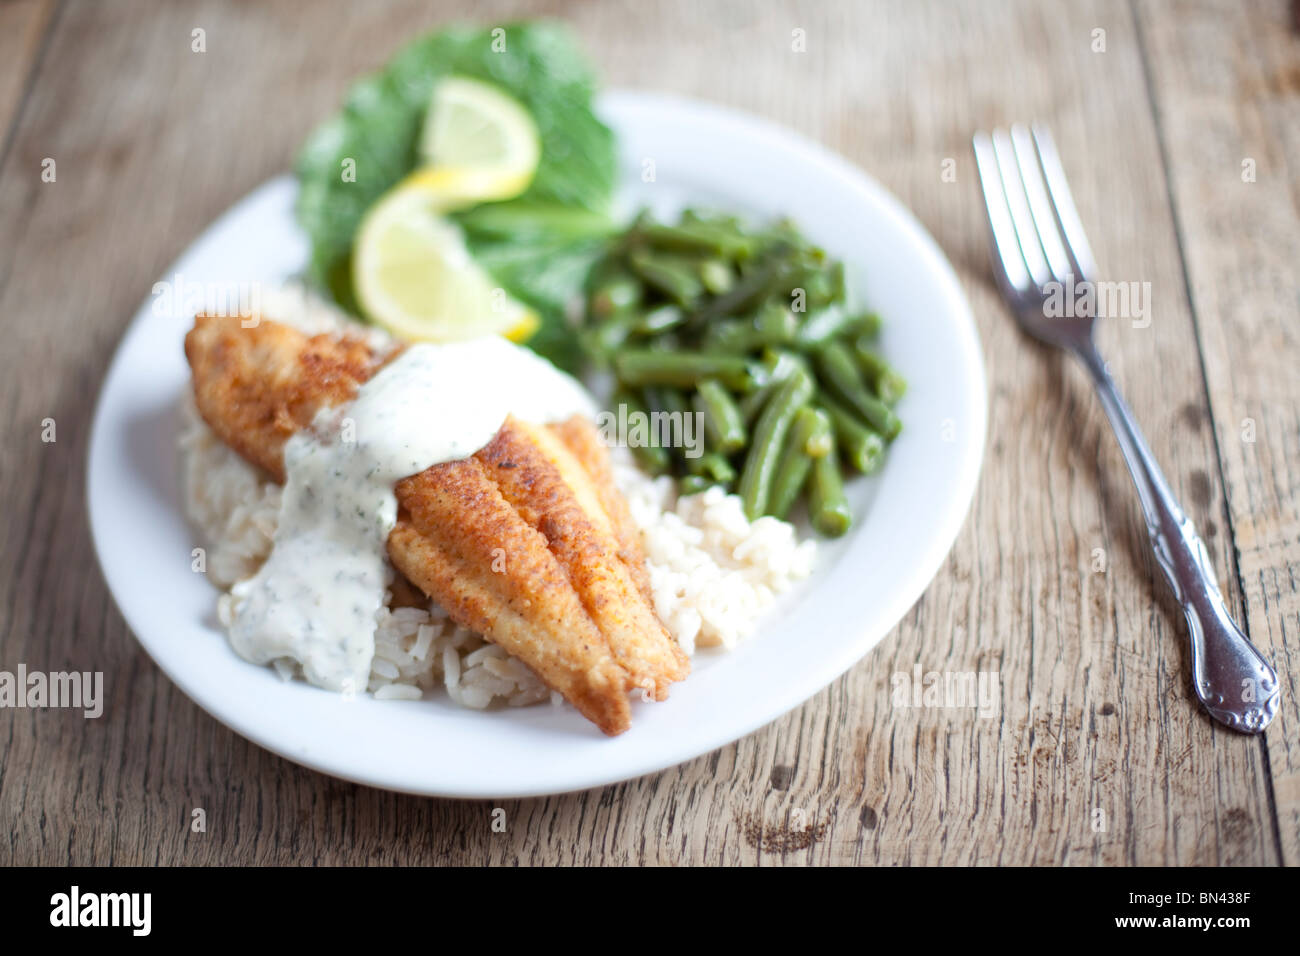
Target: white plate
(906, 518)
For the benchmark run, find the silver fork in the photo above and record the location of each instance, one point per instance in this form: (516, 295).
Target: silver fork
(1041, 257)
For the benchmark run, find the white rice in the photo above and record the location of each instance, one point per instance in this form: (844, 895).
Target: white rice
(713, 573)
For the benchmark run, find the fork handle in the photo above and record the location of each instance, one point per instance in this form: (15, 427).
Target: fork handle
(1231, 677)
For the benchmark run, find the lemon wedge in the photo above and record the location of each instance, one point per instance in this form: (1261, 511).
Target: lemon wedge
(477, 145)
(414, 276)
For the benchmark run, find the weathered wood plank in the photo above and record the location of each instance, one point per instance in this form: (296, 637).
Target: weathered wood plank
(1226, 81)
(1094, 708)
(23, 28)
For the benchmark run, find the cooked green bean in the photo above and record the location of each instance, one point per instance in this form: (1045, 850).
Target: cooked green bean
(714, 466)
(604, 338)
(699, 239)
(819, 285)
(693, 484)
(652, 367)
(861, 446)
(769, 434)
(662, 398)
(840, 372)
(839, 286)
(776, 324)
(779, 364)
(526, 220)
(791, 473)
(832, 322)
(751, 404)
(810, 437)
(661, 319)
(753, 330)
(716, 276)
(679, 284)
(616, 293)
(882, 376)
(669, 341)
(827, 505)
(722, 419)
(814, 432)
(731, 335)
(868, 326)
(752, 288)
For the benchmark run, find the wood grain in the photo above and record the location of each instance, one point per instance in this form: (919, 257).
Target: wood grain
(1232, 141)
(153, 140)
(24, 25)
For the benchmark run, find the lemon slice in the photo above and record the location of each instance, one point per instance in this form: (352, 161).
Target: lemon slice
(414, 276)
(478, 144)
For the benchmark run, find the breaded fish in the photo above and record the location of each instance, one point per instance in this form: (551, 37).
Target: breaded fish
(257, 386)
(528, 541)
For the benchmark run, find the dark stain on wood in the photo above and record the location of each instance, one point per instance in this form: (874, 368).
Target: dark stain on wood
(780, 837)
(1199, 489)
(1238, 827)
(1193, 416)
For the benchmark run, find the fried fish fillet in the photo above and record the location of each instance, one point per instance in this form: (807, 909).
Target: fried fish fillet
(257, 386)
(528, 541)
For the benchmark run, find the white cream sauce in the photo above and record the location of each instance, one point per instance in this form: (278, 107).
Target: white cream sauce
(317, 597)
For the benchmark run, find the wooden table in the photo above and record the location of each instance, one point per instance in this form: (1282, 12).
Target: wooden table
(1179, 123)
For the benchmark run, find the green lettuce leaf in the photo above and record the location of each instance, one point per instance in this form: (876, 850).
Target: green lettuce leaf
(376, 135)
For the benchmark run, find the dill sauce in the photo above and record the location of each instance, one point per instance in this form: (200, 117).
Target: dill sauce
(317, 597)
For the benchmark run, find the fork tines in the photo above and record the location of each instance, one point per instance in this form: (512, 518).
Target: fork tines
(1037, 234)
